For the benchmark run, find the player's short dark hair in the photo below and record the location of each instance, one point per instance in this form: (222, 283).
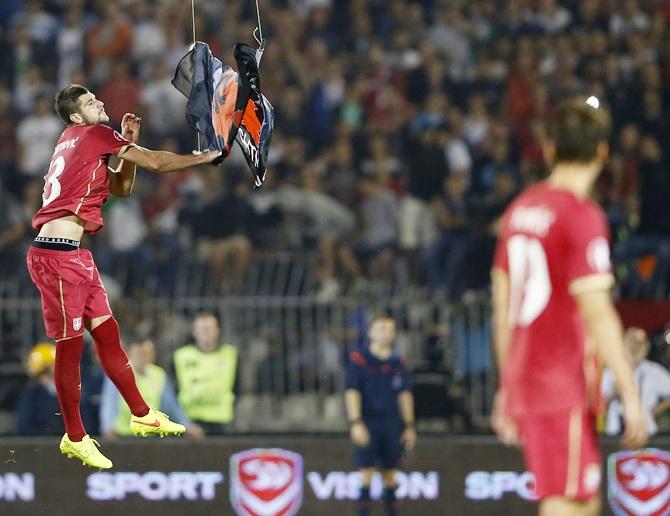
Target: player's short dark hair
(576, 129)
(66, 101)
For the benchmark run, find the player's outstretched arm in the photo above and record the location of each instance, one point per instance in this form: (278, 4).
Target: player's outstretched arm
(606, 331)
(163, 162)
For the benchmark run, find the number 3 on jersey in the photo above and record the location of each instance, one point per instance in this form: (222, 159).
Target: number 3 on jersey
(530, 285)
(52, 185)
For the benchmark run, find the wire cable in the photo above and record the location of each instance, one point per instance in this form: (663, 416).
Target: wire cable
(194, 41)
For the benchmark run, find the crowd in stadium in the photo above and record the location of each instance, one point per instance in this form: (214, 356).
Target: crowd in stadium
(403, 129)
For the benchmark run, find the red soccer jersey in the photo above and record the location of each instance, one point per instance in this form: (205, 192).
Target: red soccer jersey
(77, 181)
(552, 246)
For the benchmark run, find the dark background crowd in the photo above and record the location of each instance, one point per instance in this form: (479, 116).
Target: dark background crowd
(403, 129)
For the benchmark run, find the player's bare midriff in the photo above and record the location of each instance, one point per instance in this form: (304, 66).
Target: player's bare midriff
(70, 227)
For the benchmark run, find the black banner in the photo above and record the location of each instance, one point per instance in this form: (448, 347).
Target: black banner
(297, 475)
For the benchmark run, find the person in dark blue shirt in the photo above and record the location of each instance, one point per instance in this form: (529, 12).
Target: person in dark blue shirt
(38, 412)
(380, 409)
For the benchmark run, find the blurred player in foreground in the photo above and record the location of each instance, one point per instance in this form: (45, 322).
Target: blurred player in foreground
(551, 288)
(380, 408)
(73, 297)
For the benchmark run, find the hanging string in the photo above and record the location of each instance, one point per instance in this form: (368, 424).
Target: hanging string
(258, 31)
(194, 40)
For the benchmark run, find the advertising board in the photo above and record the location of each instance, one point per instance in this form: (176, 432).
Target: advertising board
(310, 476)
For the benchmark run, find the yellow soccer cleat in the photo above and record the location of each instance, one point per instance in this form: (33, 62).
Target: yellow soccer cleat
(155, 423)
(86, 451)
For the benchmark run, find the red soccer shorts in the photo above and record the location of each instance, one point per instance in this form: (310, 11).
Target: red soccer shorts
(561, 450)
(71, 290)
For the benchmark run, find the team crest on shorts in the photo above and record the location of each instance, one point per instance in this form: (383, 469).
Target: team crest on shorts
(76, 323)
(266, 482)
(639, 482)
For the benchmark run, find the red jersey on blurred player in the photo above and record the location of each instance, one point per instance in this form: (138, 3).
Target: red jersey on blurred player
(73, 297)
(551, 281)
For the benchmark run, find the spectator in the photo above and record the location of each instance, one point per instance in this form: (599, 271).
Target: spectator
(652, 237)
(36, 136)
(12, 226)
(38, 412)
(653, 381)
(121, 93)
(408, 92)
(206, 376)
(331, 223)
(476, 122)
(221, 233)
(125, 255)
(437, 394)
(7, 144)
(149, 34)
(427, 167)
(108, 39)
(160, 211)
(155, 386)
(375, 249)
(445, 257)
(71, 44)
(162, 102)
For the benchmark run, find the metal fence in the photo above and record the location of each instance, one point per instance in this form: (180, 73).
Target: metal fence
(293, 349)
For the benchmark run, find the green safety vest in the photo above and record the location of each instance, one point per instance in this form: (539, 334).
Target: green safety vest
(206, 382)
(151, 385)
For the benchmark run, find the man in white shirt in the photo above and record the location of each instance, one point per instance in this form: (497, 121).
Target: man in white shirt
(36, 136)
(653, 380)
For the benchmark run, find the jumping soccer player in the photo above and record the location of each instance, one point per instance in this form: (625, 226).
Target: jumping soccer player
(551, 281)
(380, 408)
(73, 297)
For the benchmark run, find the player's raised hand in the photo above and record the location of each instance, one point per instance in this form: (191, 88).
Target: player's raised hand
(635, 433)
(503, 425)
(359, 434)
(210, 156)
(130, 127)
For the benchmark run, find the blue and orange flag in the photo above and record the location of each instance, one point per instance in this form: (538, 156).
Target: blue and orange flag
(225, 105)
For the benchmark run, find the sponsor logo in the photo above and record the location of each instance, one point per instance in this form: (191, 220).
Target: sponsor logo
(639, 482)
(266, 482)
(245, 140)
(76, 323)
(344, 485)
(484, 485)
(17, 487)
(154, 485)
(155, 424)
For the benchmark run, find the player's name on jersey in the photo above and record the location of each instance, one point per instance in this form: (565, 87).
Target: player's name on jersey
(534, 219)
(67, 144)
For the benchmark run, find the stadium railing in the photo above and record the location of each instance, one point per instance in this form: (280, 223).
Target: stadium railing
(293, 349)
